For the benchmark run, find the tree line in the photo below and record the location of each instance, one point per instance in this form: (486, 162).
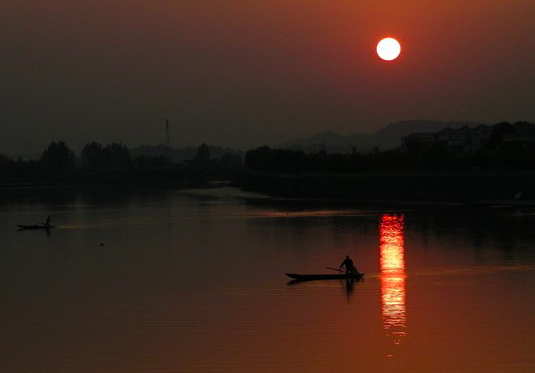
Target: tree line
(495, 154)
(58, 163)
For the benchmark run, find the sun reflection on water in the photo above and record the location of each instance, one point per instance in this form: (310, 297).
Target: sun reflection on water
(393, 276)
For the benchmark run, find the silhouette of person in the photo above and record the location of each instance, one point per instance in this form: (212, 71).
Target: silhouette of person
(47, 223)
(349, 266)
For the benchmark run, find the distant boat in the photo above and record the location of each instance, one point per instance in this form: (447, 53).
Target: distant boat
(312, 277)
(35, 226)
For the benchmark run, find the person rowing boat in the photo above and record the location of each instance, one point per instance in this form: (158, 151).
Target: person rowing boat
(351, 273)
(46, 225)
(349, 266)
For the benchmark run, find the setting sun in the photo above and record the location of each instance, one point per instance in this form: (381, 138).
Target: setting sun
(388, 49)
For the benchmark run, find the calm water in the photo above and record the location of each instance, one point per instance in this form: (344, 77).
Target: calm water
(174, 282)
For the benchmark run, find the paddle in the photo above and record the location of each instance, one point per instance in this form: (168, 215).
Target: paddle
(345, 272)
(336, 269)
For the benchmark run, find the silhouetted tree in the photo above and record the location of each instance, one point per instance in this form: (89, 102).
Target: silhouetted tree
(150, 162)
(58, 161)
(258, 159)
(202, 160)
(92, 156)
(7, 168)
(96, 157)
(203, 153)
(498, 133)
(278, 160)
(116, 156)
(230, 160)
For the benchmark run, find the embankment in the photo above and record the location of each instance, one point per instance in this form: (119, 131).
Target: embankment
(436, 187)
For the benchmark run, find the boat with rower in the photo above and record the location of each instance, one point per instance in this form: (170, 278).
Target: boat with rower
(334, 276)
(35, 226)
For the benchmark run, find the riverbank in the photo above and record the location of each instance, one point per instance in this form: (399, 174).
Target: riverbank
(169, 177)
(515, 188)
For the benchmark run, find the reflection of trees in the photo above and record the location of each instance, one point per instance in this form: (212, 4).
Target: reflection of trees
(392, 260)
(506, 230)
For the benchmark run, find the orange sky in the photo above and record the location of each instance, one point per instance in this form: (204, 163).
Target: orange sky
(244, 73)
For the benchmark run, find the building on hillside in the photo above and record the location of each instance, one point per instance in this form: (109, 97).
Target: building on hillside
(461, 141)
(523, 137)
(480, 137)
(457, 141)
(418, 141)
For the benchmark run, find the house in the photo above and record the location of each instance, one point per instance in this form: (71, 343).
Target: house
(460, 141)
(418, 141)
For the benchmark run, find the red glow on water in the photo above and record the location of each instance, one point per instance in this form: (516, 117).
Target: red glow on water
(392, 262)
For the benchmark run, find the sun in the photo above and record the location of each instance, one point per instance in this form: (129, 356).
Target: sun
(388, 49)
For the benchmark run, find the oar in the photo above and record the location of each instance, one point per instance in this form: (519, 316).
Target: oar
(336, 269)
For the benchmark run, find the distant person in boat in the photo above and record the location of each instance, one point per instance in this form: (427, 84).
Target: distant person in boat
(349, 266)
(47, 223)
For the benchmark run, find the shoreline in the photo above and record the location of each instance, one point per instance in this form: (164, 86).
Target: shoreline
(490, 188)
(495, 190)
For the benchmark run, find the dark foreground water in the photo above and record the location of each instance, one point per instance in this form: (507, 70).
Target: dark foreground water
(174, 282)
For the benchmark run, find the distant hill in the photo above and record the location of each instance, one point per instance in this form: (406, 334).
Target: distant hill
(388, 137)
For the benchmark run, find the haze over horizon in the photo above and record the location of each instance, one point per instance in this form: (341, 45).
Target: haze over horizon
(241, 74)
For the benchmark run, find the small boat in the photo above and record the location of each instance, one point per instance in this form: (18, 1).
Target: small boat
(36, 226)
(339, 276)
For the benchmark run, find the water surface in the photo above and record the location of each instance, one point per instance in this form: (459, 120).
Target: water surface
(185, 282)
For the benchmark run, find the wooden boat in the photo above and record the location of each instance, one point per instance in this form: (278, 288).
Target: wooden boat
(36, 226)
(338, 276)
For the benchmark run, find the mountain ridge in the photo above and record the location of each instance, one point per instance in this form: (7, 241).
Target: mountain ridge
(387, 137)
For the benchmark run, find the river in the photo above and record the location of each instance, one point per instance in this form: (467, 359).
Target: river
(194, 281)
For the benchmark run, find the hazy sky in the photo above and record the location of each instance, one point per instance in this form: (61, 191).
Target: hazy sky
(243, 73)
